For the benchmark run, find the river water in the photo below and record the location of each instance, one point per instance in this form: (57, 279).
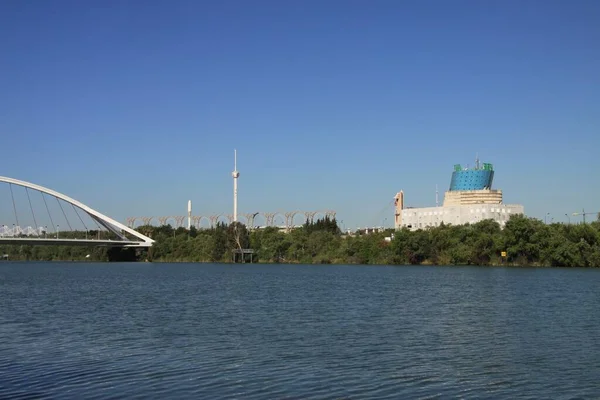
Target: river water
(205, 331)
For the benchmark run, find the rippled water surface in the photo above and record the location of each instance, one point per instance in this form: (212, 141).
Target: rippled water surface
(100, 331)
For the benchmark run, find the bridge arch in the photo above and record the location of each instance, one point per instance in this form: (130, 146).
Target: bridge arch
(259, 220)
(197, 221)
(147, 220)
(319, 215)
(131, 221)
(221, 218)
(109, 223)
(298, 219)
(170, 220)
(137, 222)
(279, 219)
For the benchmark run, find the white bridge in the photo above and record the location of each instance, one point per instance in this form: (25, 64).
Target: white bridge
(109, 232)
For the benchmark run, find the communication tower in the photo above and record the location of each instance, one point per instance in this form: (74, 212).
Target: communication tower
(189, 214)
(235, 175)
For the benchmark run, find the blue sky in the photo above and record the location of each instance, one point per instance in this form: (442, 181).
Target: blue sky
(135, 107)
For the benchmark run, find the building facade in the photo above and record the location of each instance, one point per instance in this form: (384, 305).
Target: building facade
(478, 178)
(421, 218)
(469, 200)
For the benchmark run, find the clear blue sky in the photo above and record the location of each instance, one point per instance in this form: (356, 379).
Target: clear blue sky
(135, 107)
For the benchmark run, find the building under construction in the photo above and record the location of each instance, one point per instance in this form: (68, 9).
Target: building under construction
(469, 199)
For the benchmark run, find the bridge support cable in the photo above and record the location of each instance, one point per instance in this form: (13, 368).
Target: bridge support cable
(31, 207)
(83, 223)
(98, 225)
(14, 205)
(109, 227)
(63, 211)
(49, 215)
(113, 226)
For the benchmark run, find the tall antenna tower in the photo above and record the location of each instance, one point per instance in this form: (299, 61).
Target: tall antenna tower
(235, 175)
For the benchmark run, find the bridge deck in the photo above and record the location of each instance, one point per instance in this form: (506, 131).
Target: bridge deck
(72, 242)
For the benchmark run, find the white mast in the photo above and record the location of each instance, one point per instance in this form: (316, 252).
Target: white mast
(235, 175)
(189, 214)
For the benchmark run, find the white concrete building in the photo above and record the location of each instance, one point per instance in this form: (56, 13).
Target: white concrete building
(421, 218)
(469, 200)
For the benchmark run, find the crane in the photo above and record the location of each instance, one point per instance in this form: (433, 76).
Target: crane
(583, 213)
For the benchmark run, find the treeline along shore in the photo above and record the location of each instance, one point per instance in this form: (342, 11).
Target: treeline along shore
(523, 242)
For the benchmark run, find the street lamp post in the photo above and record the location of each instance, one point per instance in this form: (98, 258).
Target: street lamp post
(568, 218)
(545, 218)
(57, 228)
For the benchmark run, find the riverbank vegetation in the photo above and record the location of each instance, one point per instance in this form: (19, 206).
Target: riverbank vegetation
(525, 241)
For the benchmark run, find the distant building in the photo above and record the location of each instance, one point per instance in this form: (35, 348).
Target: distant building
(470, 199)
